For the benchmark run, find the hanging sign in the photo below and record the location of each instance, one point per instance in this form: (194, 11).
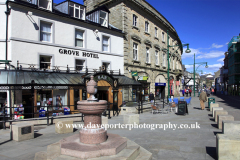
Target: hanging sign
(134, 73)
(160, 84)
(142, 78)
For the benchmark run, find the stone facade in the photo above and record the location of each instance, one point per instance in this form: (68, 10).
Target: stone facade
(122, 12)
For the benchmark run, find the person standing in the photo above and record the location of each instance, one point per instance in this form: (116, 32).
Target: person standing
(183, 92)
(190, 92)
(151, 97)
(203, 99)
(186, 92)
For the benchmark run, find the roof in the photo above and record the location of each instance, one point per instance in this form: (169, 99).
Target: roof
(19, 77)
(124, 81)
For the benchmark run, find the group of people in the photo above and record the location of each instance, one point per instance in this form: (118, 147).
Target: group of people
(186, 91)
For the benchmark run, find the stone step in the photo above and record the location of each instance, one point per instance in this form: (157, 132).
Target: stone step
(144, 154)
(132, 152)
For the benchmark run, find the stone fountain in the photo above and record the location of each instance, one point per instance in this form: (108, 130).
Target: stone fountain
(93, 140)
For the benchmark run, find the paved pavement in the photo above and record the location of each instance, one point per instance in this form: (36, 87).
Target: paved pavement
(229, 103)
(169, 144)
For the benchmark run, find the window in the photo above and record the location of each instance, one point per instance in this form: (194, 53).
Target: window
(146, 26)
(156, 57)
(156, 32)
(164, 60)
(173, 44)
(47, 4)
(79, 38)
(105, 42)
(147, 56)
(135, 51)
(163, 36)
(79, 64)
(45, 62)
(107, 66)
(77, 11)
(104, 18)
(176, 64)
(45, 32)
(134, 20)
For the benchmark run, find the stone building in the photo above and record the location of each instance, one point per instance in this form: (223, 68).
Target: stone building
(145, 45)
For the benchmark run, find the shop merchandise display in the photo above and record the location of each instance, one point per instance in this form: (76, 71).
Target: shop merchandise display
(18, 111)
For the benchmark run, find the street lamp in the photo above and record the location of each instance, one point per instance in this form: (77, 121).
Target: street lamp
(194, 71)
(168, 46)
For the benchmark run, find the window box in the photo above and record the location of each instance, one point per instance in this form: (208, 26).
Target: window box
(147, 33)
(156, 38)
(148, 63)
(135, 27)
(136, 61)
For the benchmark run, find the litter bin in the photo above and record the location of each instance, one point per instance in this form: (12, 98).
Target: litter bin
(210, 100)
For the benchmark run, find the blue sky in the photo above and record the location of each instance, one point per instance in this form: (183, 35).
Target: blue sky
(207, 25)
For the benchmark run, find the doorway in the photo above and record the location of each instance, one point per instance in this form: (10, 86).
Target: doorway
(102, 95)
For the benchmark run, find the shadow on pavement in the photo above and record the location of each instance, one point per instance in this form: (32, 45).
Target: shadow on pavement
(197, 108)
(215, 133)
(37, 135)
(211, 151)
(212, 119)
(214, 125)
(210, 115)
(232, 101)
(5, 142)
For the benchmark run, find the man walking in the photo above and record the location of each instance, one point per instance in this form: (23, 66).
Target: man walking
(183, 92)
(203, 99)
(190, 92)
(151, 97)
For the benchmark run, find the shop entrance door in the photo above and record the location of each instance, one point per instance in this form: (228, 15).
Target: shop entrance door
(102, 95)
(27, 103)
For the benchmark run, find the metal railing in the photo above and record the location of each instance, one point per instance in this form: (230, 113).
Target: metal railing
(10, 117)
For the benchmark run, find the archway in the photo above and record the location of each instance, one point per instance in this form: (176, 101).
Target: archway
(160, 85)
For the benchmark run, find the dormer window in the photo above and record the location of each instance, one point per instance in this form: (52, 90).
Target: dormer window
(99, 15)
(46, 4)
(103, 18)
(77, 11)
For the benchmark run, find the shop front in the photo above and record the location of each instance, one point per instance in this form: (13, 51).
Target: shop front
(160, 86)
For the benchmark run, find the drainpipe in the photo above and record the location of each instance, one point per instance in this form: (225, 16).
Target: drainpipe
(7, 12)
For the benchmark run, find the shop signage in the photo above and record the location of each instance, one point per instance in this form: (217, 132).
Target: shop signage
(182, 108)
(77, 53)
(142, 78)
(134, 73)
(160, 84)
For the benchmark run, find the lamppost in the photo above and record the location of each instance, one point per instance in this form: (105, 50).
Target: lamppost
(194, 71)
(168, 46)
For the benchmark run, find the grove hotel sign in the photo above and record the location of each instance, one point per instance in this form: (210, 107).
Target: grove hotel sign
(77, 53)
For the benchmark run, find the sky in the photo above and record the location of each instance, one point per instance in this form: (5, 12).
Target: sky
(207, 25)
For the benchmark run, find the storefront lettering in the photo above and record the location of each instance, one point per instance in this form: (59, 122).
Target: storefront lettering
(104, 77)
(76, 53)
(69, 52)
(85, 54)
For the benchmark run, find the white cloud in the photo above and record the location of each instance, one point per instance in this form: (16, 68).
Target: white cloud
(211, 54)
(188, 55)
(214, 67)
(220, 60)
(227, 43)
(214, 45)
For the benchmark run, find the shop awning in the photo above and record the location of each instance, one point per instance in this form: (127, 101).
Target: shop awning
(18, 77)
(126, 81)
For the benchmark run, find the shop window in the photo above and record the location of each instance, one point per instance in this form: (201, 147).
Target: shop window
(105, 44)
(45, 62)
(107, 66)
(146, 26)
(156, 57)
(76, 98)
(104, 18)
(79, 64)
(79, 38)
(77, 11)
(46, 4)
(135, 51)
(3, 101)
(147, 56)
(45, 31)
(134, 20)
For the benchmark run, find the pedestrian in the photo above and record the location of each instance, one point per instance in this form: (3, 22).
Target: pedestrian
(151, 97)
(186, 92)
(215, 91)
(190, 92)
(203, 99)
(212, 90)
(183, 92)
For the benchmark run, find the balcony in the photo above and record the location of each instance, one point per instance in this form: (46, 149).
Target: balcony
(235, 39)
